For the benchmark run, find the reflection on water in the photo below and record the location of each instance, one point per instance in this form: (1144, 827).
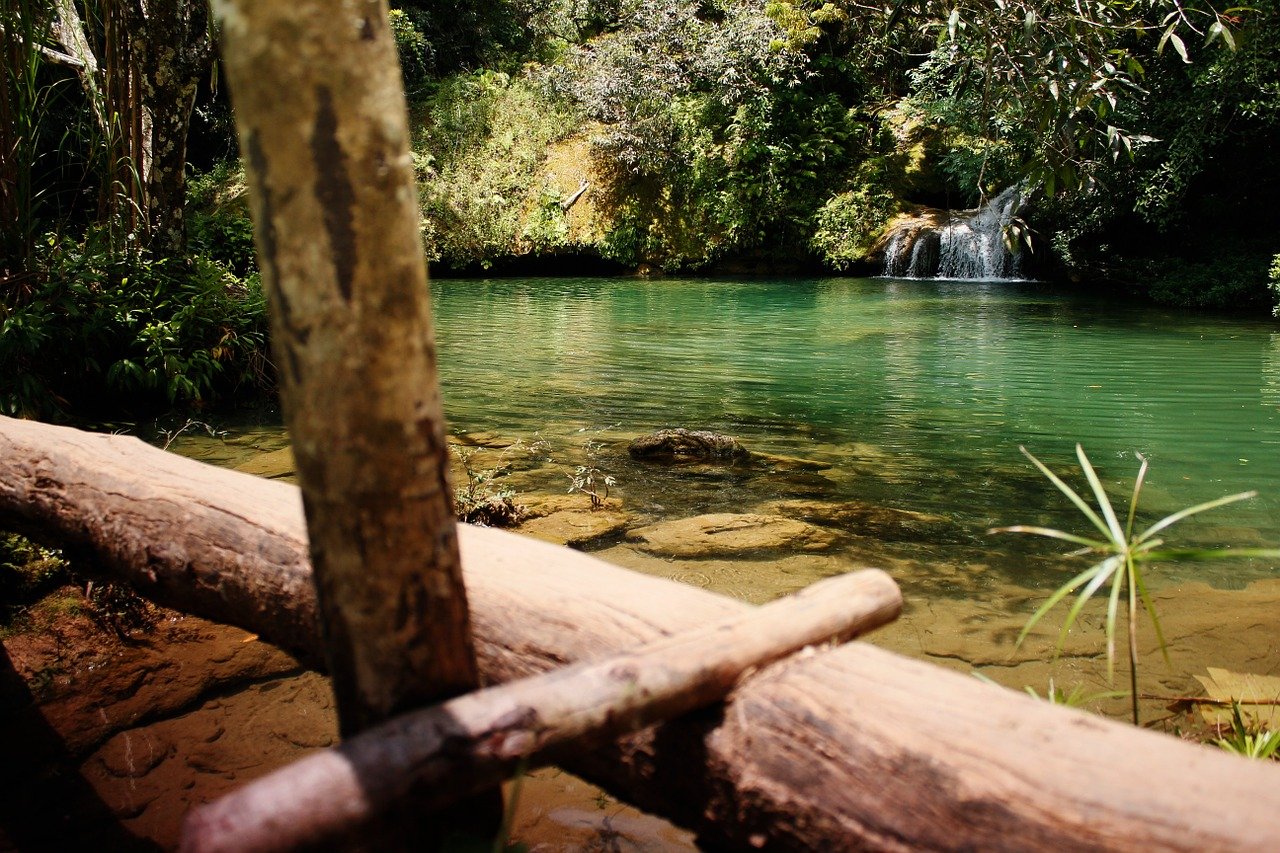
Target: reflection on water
(917, 395)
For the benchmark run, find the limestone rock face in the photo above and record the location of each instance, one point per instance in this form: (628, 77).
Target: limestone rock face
(685, 445)
(731, 534)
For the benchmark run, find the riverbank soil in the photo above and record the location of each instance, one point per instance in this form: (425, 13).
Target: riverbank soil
(111, 739)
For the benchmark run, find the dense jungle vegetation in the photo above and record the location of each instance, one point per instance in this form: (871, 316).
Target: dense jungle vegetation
(661, 135)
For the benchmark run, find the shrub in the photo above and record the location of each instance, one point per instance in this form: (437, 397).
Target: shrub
(849, 224)
(1274, 284)
(102, 333)
(416, 56)
(218, 223)
(1230, 280)
(27, 571)
(485, 138)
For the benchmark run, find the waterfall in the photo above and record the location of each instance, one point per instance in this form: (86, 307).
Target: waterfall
(968, 245)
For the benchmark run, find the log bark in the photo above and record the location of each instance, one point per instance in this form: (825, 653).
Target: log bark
(851, 748)
(336, 227)
(476, 741)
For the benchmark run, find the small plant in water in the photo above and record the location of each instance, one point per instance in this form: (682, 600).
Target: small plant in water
(1124, 557)
(589, 479)
(1077, 698)
(479, 501)
(1259, 743)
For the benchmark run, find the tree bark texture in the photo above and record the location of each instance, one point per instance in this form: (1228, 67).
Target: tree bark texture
(476, 741)
(173, 50)
(322, 124)
(851, 748)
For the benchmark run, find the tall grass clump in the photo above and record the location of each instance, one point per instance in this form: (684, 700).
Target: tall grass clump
(1123, 554)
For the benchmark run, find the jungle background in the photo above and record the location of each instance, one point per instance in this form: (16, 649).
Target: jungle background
(659, 136)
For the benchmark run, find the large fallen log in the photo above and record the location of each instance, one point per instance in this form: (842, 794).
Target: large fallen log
(848, 748)
(476, 741)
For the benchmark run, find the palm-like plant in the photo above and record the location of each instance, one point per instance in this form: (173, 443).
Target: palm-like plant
(1124, 556)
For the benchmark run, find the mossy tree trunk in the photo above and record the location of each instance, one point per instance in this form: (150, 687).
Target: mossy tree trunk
(322, 123)
(174, 51)
(141, 93)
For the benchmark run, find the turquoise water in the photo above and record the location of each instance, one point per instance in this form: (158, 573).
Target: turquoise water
(916, 393)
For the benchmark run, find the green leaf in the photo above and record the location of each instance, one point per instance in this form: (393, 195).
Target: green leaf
(1186, 555)
(1133, 501)
(1070, 493)
(1170, 520)
(1100, 494)
(1101, 572)
(1061, 593)
(1049, 532)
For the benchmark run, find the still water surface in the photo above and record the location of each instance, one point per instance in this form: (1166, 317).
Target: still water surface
(914, 395)
(918, 392)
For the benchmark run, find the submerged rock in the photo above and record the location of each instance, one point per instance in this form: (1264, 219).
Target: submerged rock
(569, 520)
(681, 445)
(731, 535)
(865, 519)
(274, 465)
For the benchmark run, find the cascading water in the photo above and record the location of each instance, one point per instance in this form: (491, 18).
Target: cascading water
(957, 246)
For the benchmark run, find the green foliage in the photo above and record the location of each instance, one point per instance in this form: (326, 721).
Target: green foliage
(414, 51)
(102, 332)
(1078, 697)
(1261, 744)
(218, 223)
(1274, 284)
(849, 224)
(546, 227)
(710, 142)
(1229, 280)
(589, 479)
(484, 138)
(27, 571)
(1125, 555)
(480, 501)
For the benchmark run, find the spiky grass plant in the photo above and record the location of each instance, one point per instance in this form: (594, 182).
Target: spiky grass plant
(1124, 557)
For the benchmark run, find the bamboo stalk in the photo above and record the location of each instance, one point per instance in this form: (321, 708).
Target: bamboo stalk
(471, 743)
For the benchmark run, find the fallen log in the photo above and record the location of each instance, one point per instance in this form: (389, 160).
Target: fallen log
(474, 742)
(849, 748)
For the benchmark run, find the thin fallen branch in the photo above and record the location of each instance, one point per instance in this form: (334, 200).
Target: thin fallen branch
(573, 199)
(1205, 700)
(473, 742)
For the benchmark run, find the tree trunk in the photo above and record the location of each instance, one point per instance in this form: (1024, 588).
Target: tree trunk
(142, 94)
(173, 52)
(851, 748)
(335, 218)
(336, 225)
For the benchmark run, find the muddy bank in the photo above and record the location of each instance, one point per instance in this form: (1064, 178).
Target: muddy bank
(109, 742)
